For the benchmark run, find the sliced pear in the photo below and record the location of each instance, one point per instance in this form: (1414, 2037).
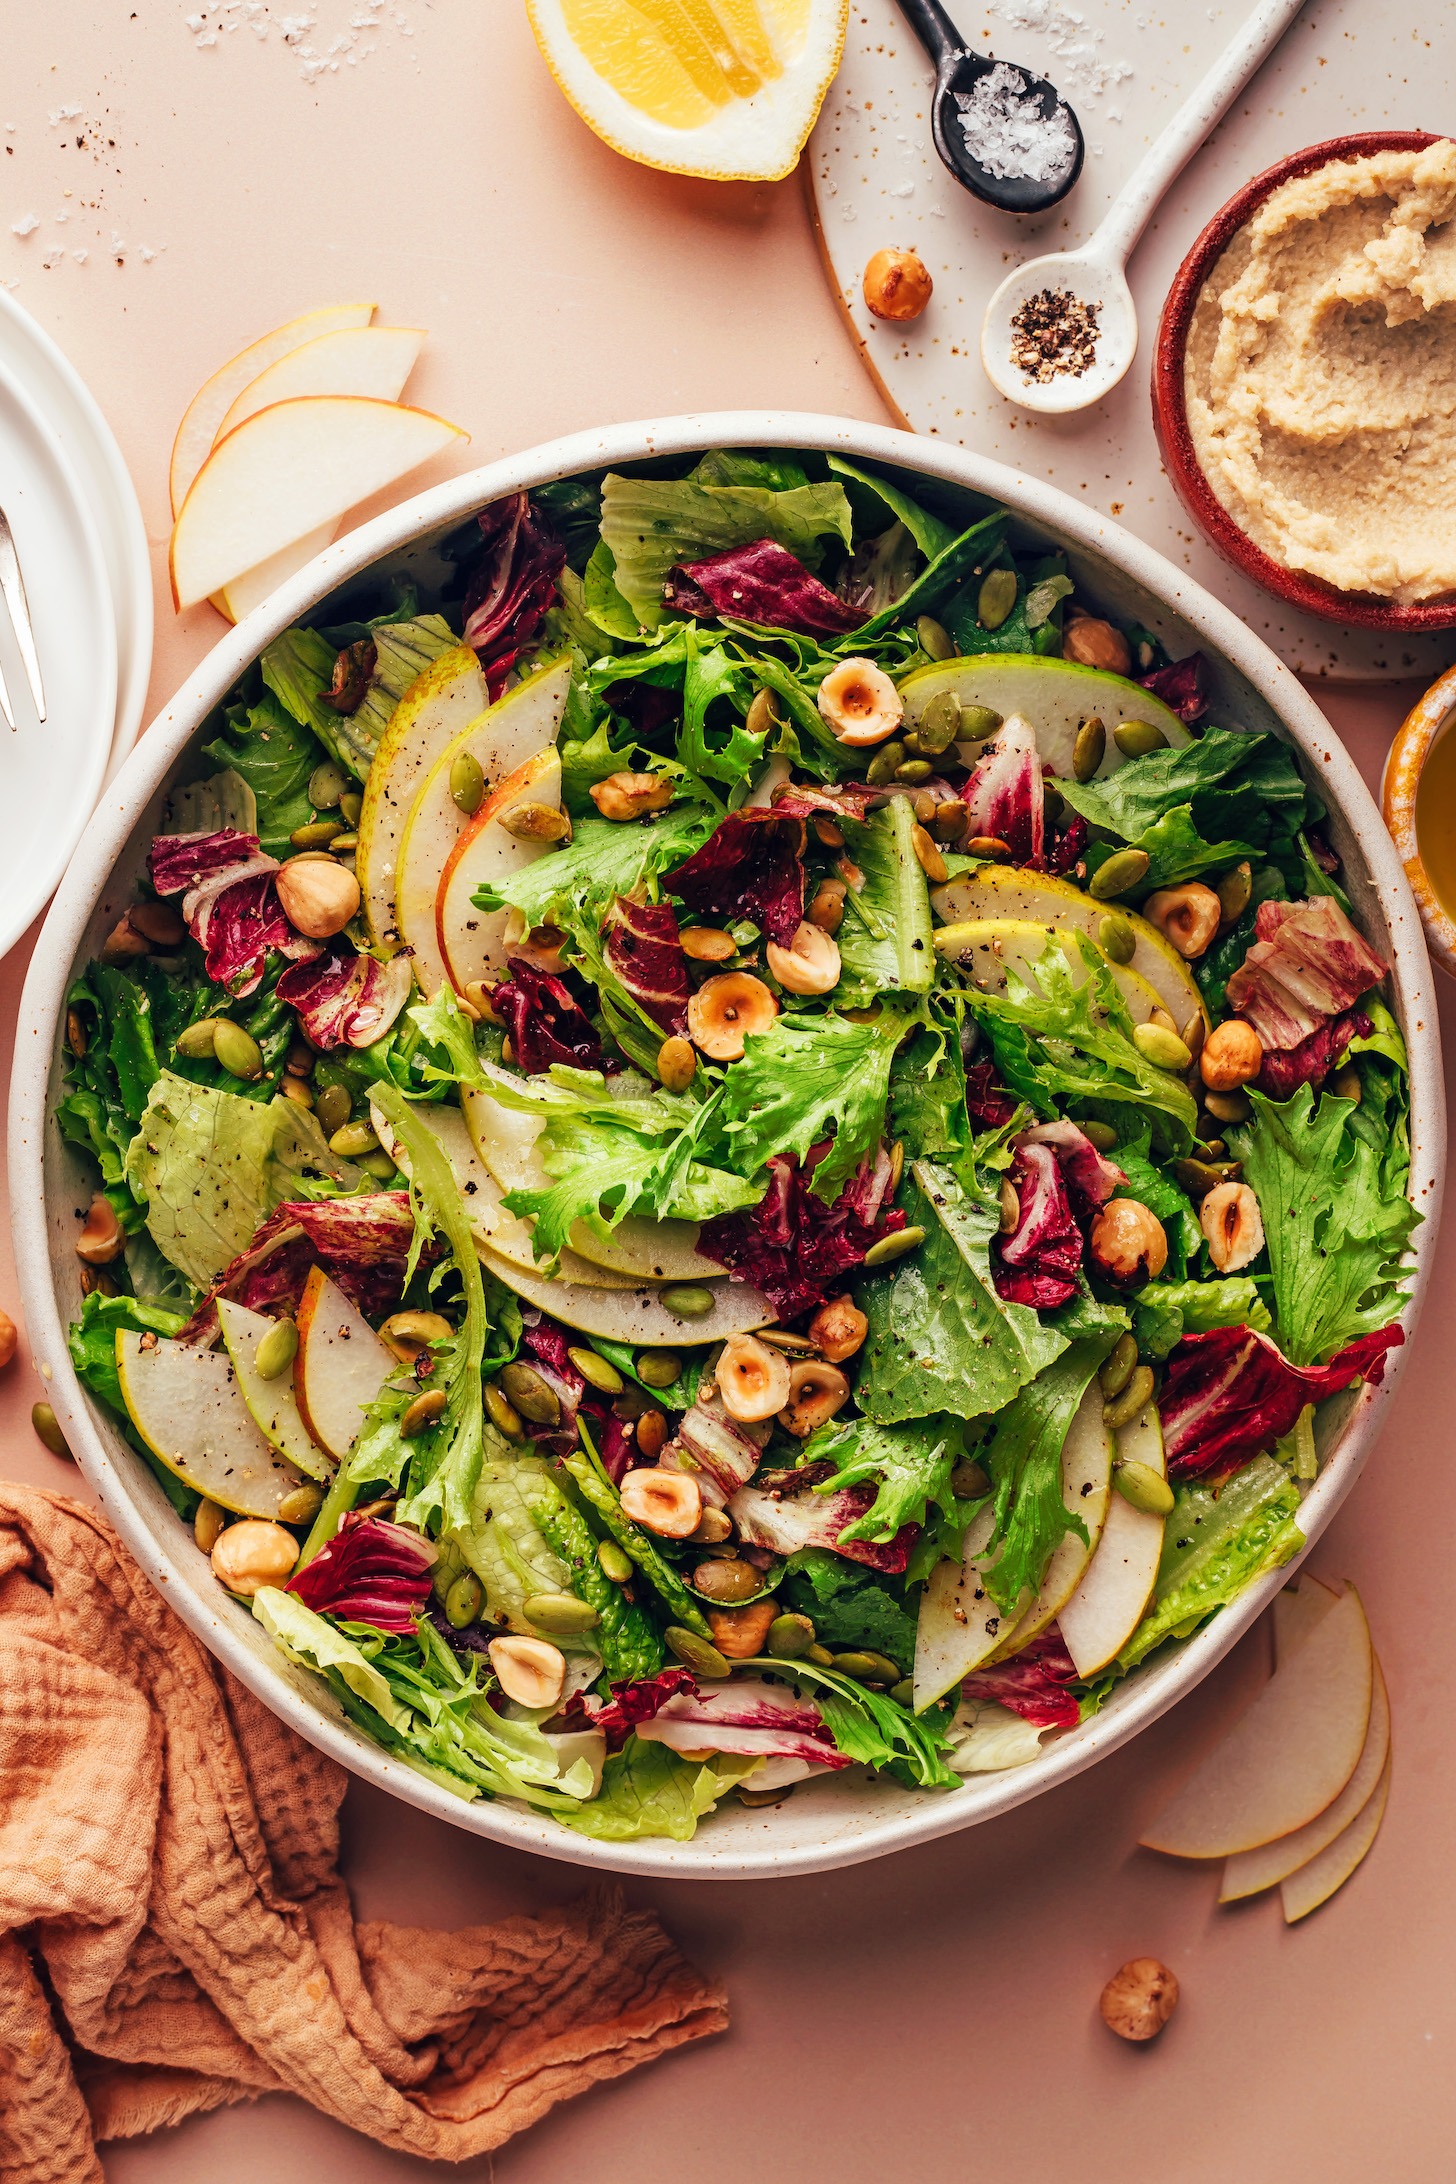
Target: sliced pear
(1297, 1609)
(369, 360)
(285, 471)
(471, 943)
(186, 1405)
(517, 728)
(1252, 1870)
(1111, 1593)
(1290, 1755)
(1006, 891)
(437, 707)
(1056, 696)
(340, 1365)
(986, 948)
(254, 586)
(636, 1316)
(640, 1251)
(209, 406)
(1313, 1884)
(1086, 1480)
(959, 1624)
(272, 1402)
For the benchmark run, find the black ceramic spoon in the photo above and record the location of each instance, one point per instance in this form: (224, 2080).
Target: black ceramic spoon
(957, 71)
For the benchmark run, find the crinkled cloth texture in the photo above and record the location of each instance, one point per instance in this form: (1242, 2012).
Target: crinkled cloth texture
(174, 1934)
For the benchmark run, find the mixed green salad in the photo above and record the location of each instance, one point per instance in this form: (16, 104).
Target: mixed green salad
(742, 1146)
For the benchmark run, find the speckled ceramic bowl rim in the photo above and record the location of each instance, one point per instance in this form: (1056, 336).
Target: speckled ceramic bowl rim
(1415, 739)
(829, 1823)
(1170, 415)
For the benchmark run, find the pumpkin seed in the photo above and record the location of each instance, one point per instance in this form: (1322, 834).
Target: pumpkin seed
(727, 1581)
(1117, 938)
(1233, 892)
(1197, 1177)
(615, 1561)
(207, 1525)
(76, 1034)
(276, 1350)
(996, 598)
(48, 1429)
(978, 722)
(1164, 1049)
(409, 1334)
(1345, 1084)
(196, 1041)
(425, 1411)
(934, 638)
(932, 864)
(820, 1656)
(379, 1165)
(353, 1139)
(969, 1479)
(351, 803)
(326, 785)
(1010, 1207)
(867, 1668)
(949, 820)
(1120, 1367)
(318, 834)
(1089, 750)
(467, 783)
(1228, 1106)
(940, 724)
(696, 1653)
(881, 768)
(658, 1368)
(533, 1396)
(332, 1107)
(1118, 873)
(503, 1415)
(1145, 1488)
(597, 1371)
(560, 1612)
(686, 1301)
(236, 1051)
(904, 1691)
(302, 1505)
(1100, 1134)
(1123, 1408)
(1136, 738)
(914, 771)
(789, 1636)
(463, 1600)
(893, 1247)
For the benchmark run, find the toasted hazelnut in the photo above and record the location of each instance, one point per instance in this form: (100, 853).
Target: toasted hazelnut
(625, 796)
(897, 284)
(158, 922)
(707, 944)
(740, 1633)
(319, 896)
(827, 909)
(809, 965)
(103, 1238)
(1232, 1225)
(860, 703)
(1138, 2000)
(1232, 1055)
(817, 1390)
(124, 944)
(651, 1435)
(253, 1554)
(838, 1329)
(669, 1503)
(725, 1010)
(1188, 916)
(531, 1671)
(1128, 1243)
(9, 1340)
(1097, 644)
(753, 1379)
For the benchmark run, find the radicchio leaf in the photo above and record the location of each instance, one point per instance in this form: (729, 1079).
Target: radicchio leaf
(761, 583)
(230, 904)
(547, 1343)
(630, 1704)
(644, 950)
(372, 1573)
(363, 1243)
(344, 999)
(1004, 793)
(791, 1246)
(1312, 1060)
(546, 1025)
(1182, 686)
(749, 867)
(746, 1716)
(512, 584)
(353, 673)
(786, 1520)
(712, 1449)
(1038, 1263)
(1089, 1175)
(1307, 963)
(845, 800)
(1033, 1683)
(1231, 1392)
(1069, 848)
(987, 1100)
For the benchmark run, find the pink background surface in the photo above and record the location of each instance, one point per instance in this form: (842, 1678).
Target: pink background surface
(934, 2014)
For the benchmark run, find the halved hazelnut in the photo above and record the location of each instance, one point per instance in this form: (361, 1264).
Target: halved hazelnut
(817, 1390)
(724, 1012)
(1128, 1243)
(810, 964)
(529, 1670)
(1188, 916)
(838, 1329)
(666, 1502)
(1233, 1226)
(827, 908)
(624, 796)
(753, 1380)
(860, 703)
(103, 1238)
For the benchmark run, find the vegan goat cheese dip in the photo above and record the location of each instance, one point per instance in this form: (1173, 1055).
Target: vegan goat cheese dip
(1320, 375)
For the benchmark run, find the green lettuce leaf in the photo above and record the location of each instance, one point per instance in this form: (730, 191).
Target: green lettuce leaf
(314, 1643)
(1335, 1237)
(648, 1789)
(848, 1604)
(275, 754)
(1174, 847)
(1232, 783)
(627, 1636)
(965, 557)
(910, 1465)
(598, 1491)
(1218, 1539)
(928, 1095)
(649, 524)
(797, 1078)
(869, 1727)
(298, 668)
(501, 1539)
(1034, 624)
(601, 860)
(885, 940)
(1024, 1459)
(929, 533)
(1164, 1312)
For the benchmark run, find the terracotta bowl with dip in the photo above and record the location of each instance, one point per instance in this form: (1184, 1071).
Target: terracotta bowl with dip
(1418, 801)
(1175, 435)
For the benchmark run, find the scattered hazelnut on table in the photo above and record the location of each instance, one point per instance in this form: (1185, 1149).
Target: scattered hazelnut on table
(897, 284)
(1138, 2000)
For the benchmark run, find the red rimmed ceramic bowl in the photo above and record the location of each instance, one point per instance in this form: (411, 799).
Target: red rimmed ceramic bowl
(1170, 415)
(1428, 723)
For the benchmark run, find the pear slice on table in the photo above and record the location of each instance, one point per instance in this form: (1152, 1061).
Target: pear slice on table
(255, 586)
(208, 407)
(439, 705)
(186, 1404)
(287, 470)
(521, 726)
(635, 1316)
(1313, 1884)
(1290, 1755)
(1086, 1482)
(370, 360)
(473, 943)
(339, 1367)
(1297, 1609)
(1117, 1583)
(1056, 696)
(959, 1624)
(1252, 1870)
(986, 949)
(272, 1402)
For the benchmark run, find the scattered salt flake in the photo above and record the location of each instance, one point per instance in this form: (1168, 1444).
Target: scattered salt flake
(63, 113)
(1008, 133)
(903, 189)
(25, 225)
(52, 259)
(80, 256)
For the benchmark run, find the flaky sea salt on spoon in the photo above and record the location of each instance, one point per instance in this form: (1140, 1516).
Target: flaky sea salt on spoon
(1007, 136)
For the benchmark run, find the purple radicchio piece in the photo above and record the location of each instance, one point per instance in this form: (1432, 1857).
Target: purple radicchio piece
(370, 1573)
(1231, 1392)
(1089, 1175)
(550, 1356)
(761, 583)
(646, 954)
(1004, 796)
(1307, 963)
(512, 584)
(343, 999)
(1311, 1061)
(789, 1516)
(987, 1100)
(630, 1704)
(749, 867)
(746, 1716)
(791, 1246)
(845, 800)
(546, 1024)
(362, 1243)
(1069, 848)
(1038, 1263)
(229, 902)
(1182, 686)
(1033, 1683)
(714, 1449)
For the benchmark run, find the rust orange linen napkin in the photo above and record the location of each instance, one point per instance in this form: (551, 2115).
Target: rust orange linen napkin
(174, 1934)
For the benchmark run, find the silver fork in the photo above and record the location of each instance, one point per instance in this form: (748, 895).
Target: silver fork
(12, 588)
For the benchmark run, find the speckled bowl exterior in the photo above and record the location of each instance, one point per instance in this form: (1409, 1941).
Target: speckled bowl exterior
(1170, 413)
(1413, 744)
(826, 1823)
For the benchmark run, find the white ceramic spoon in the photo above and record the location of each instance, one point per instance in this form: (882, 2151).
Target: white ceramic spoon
(1094, 274)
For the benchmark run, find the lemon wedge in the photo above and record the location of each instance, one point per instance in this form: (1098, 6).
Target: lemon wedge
(724, 88)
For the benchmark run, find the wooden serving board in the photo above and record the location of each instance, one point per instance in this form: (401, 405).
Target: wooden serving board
(1125, 65)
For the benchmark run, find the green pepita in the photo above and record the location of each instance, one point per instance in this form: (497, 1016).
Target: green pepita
(1117, 938)
(1197, 1177)
(904, 1691)
(354, 1139)
(1136, 738)
(379, 1165)
(207, 1525)
(302, 1505)
(1120, 871)
(326, 785)
(533, 1396)
(1100, 1134)
(789, 1636)
(868, 1668)
(561, 1612)
(686, 1300)
(996, 598)
(934, 638)
(1145, 1488)
(940, 724)
(881, 768)
(351, 803)
(463, 1600)
(977, 722)
(196, 1041)
(236, 1050)
(696, 1653)
(1123, 1408)
(276, 1350)
(467, 783)
(1120, 1367)
(820, 1656)
(728, 1581)
(894, 1247)
(332, 1108)
(425, 1411)
(615, 1561)
(503, 1415)
(1164, 1049)
(1010, 1207)
(1228, 1106)
(914, 771)
(597, 1371)
(969, 1480)
(1089, 750)
(48, 1429)
(763, 713)
(658, 1368)
(1233, 891)
(317, 834)
(409, 1334)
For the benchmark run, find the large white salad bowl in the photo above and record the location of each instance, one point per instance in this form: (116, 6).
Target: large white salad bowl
(830, 1822)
